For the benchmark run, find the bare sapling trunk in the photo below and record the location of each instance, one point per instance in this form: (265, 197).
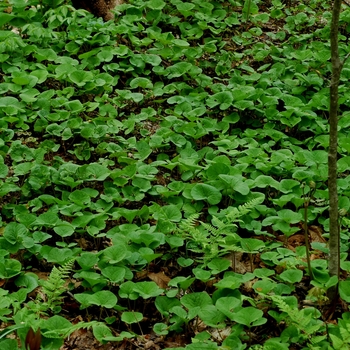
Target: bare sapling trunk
(334, 237)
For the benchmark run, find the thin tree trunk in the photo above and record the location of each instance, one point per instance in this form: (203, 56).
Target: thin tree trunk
(334, 238)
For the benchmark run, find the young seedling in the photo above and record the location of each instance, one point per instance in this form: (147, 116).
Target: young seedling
(33, 340)
(306, 231)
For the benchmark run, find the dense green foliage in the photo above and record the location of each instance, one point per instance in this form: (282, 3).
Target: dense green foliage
(175, 143)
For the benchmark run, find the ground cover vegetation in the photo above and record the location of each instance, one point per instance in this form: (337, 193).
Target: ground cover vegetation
(159, 171)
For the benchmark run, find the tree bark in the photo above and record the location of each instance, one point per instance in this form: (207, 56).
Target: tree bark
(334, 237)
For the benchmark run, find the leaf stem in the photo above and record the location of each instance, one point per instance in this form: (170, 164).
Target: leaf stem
(306, 233)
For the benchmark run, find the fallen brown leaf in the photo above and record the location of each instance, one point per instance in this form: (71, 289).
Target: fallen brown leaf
(160, 278)
(316, 234)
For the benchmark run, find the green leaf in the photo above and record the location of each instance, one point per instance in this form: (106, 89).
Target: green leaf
(202, 275)
(28, 280)
(9, 344)
(155, 4)
(87, 260)
(290, 216)
(3, 170)
(263, 181)
(97, 172)
(168, 212)
(102, 332)
(127, 290)
(10, 268)
(185, 262)
(343, 164)
(151, 59)
(131, 317)
(55, 323)
(202, 346)
(160, 329)
(80, 197)
(252, 245)
(219, 265)
(147, 289)
(92, 278)
(288, 185)
(182, 282)
(9, 105)
(83, 220)
(206, 192)
(144, 150)
(223, 99)
(178, 69)
(196, 300)
(104, 298)
(6, 188)
(14, 232)
(114, 273)
(47, 219)
(211, 316)
(56, 255)
(276, 344)
(80, 77)
(184, 7)
(64, 230)
(164, 304)
(106, 54)
(181, 43)
(249, 316)
(114, 254)
(344, 290)
(29, 95)
(141, 82)
(228, 305)
(5, 18)
(264, 286)
(291, 276)
(230, 282)
(236, 183)
(74, 106)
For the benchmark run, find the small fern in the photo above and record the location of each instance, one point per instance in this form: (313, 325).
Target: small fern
(53, 288)
(295, 315)
(188, 224)
(304, 320)
(342, 340)
(219, 237)
(233, 214)
(66, 332)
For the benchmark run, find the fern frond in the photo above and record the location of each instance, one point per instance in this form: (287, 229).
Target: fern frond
(218, 237)
(53, 287)
(233, 213)
(231, 248)
(210, 228)
(293, 313)
(305, 323)
(189, 223)
(66, 332)
(222, 226)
